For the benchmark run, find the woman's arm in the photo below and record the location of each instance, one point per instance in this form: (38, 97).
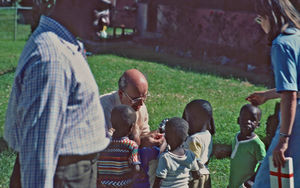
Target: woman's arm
(260, 97)
(288, 110)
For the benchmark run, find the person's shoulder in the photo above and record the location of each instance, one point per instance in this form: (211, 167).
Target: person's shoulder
(290, 38)
(164, 154)
(201, 137)
(51, 48)
(109, 99)
(110, 94)
(257, 140)
(190, 154)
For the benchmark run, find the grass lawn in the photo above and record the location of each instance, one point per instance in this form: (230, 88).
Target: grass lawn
(171, 88)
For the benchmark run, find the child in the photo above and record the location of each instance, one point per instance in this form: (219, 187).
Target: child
(247, 149)
(149, 161)
(198, 114)
(175, 165)
(118, 163)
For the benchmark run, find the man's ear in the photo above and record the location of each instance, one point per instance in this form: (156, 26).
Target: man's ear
(120, 93)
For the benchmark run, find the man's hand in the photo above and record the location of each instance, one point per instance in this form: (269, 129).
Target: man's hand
(153, 138)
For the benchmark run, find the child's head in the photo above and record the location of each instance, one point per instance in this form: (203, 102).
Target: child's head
(176, 131)
(249, 119)
(198, 113)
(123, 117)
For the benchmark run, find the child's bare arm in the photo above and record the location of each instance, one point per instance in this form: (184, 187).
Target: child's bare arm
(157, 182)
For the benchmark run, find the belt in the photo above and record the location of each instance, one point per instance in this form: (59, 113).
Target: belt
(64, 160)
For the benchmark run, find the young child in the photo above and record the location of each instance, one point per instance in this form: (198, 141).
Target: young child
(119, 163)
(198, 113)
(175, 165)
(247, 149)
(149, 161)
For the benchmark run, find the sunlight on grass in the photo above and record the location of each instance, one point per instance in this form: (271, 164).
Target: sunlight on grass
(171, 89)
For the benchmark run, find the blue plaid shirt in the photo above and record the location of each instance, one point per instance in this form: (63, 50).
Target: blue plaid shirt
(54, 106)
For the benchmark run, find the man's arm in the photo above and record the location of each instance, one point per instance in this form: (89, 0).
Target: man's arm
(43, 101)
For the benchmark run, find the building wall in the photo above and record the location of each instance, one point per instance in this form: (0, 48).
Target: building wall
(218, 32)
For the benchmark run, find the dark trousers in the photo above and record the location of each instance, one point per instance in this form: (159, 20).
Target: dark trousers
(72, 171)
(15, 178)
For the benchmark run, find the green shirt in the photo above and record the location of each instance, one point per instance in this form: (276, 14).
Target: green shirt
(245, 157)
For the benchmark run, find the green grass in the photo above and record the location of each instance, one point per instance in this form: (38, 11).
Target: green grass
(171, 89)
(7, 26)
(7, 159)
(110, 31)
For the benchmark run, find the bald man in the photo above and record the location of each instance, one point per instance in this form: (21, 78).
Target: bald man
(133, 91)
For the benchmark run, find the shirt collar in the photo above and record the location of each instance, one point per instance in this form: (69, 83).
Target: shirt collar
(50, 24)
(291, 31)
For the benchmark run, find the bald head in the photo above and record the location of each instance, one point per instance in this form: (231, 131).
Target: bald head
(133, 85)
(133, 77)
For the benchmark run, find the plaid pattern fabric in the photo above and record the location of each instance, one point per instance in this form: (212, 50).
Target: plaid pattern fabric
(54, 105)
(115, 163)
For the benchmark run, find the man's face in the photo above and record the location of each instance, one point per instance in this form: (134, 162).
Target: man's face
(134, 96)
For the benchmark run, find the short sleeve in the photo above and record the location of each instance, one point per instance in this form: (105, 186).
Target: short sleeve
(134, 158)
(285, 68)
(260, 152)
(194, 164)
(195, 147)
(162, 168)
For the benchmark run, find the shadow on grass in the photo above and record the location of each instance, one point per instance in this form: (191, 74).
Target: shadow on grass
(136, 51)
(3, 145)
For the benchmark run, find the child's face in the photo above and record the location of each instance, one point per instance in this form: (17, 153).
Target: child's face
(248, 122)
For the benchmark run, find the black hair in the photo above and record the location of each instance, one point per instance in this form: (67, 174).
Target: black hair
(123, 117)
(178, 127)
(281, 13)
(251, 109)
(205, 112)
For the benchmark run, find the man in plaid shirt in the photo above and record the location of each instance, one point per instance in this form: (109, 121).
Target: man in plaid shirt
(54, 118)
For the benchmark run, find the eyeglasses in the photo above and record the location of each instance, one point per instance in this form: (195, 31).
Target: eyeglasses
(257, 19)
(138, 99)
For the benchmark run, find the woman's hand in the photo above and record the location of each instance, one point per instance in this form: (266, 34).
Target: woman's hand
(278, 152)
(288, 105)
(257, 98)
(260, 97)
